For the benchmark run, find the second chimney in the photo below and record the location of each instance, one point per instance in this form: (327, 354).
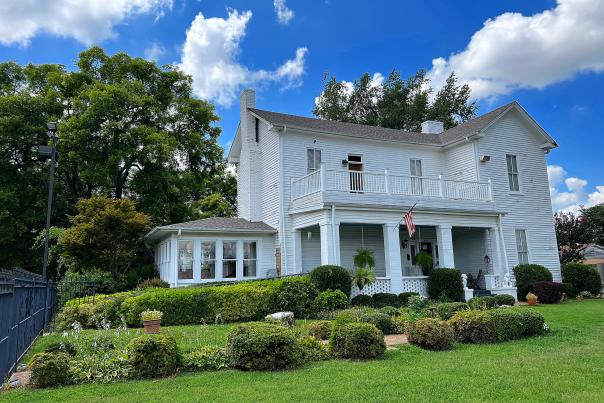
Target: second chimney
(432, 127)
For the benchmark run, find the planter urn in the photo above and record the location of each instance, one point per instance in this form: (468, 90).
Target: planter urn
(532, 301)
(152, 326)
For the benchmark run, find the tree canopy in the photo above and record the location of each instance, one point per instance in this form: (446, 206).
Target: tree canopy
(396, 103)
(127, 129)
(574, 231)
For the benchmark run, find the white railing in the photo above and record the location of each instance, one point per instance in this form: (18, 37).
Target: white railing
(385, 183)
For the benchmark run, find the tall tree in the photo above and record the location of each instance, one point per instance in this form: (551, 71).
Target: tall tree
(594, 220)
(396, 103)
(571, 236)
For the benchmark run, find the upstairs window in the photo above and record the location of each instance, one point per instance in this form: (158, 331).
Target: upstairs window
(415, 167)
(522, 246)
(313, 159)
(257, 130)
(512, 162)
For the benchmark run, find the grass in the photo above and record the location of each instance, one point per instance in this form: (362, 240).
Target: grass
(565, 365)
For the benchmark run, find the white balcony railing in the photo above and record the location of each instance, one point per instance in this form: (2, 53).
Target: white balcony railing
(384, 183)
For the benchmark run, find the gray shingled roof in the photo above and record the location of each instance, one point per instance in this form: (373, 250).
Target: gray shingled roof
(380, 133)
(222, 224)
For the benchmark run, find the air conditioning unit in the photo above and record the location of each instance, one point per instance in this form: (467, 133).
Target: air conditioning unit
(485, 158)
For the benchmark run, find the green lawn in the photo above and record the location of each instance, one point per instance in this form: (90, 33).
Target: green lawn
(565, 365)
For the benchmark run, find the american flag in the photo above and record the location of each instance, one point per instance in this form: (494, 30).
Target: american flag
(408, 217)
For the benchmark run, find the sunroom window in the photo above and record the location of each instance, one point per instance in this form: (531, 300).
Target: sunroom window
(229, 259)
(185, 260)
(208, 260)
(249, 259)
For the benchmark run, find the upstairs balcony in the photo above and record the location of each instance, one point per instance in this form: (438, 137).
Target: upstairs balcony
(385, 189)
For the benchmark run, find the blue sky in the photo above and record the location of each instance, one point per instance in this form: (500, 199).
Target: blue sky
(548, 55)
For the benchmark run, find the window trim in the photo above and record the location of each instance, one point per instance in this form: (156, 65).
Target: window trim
(316, 168)
(243, 259)
(517, 173)
(192, 263)
(526, 243)
(235, 259)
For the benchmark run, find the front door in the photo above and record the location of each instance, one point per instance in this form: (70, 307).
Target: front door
(409, 251)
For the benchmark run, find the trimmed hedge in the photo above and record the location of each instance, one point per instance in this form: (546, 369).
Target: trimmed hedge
(527, 275)
(485, 302)
(320, 329)
(49, 369)
(548, 292)
(445, 284)
(358, 341)
(361, 300)
(403, 297)
(313, 349)
(331, 277)
(330, 301)
(430, 334)
(472, 326)
(297, 295)
(263, 347)
(366, 315)
(447, 309)
(582, 278)
(382, 299)
(532, 323)
(504, 299)
(152, 355)
(507, 323)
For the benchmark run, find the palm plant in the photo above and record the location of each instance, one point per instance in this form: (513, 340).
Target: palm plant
(363, 276)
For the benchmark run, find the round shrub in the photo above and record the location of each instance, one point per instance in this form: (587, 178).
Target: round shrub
(506, 323)
(472, 326)
(66, 347)
(358, 341)
(445, 284)
(430, 334)
(403, 297)
(485, 302)
(447, 309)
(527, 275)
(582, 277)
(313, 349)
(152, 355)
(49, 369)
(366, 315)
(361, 300)
(390, 311)
(154, 282)
(207, 358)
(320, 329)
(263, 347)
(330, 301)
(504, 299)
(329, 277)
(297, 295)
(382, 299)
(532, 323)
(548, 292)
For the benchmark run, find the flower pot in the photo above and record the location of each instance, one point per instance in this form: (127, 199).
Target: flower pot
(532, 301)
(151, 326)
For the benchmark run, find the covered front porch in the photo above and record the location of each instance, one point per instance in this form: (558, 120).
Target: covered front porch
(475, 251)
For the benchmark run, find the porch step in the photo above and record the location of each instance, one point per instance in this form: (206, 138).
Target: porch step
(482, 293)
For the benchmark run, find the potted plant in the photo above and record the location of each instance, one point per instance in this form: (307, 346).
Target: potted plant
(531, 299)
(151, 321)
(364, 272)
(425, 261)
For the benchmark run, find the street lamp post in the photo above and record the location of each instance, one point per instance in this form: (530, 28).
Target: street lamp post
(52, 134)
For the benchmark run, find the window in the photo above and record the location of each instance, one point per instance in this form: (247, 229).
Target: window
(313, 159)
(249, 259)
(229, 259)
(185, 260)
(355, 169)
(521, 246)
(257, 129)
(208, 259)
(512, 162)
(415, 167)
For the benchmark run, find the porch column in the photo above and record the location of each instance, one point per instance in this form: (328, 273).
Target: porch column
(496, 251)
(445, 246)
(327, 248)
(298, 251)
(392, 257)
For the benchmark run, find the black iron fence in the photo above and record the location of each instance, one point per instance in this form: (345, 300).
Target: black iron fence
(27, 304)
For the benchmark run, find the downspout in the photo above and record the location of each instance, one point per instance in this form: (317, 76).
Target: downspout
(505, 253)
(282, 243)
(333, 234)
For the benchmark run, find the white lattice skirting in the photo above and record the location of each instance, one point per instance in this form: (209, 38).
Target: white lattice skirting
(380, 285)
(417, 284)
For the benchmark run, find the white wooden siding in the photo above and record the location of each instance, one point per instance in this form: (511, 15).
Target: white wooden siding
(470, 246)
(460, 162)
(357, 236)
(311, 249)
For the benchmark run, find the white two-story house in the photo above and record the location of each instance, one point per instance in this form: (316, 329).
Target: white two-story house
(313, 192)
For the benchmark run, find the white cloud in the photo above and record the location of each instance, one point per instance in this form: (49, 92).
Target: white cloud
(154, 52)
(515, 51)
(210, 55)
(569, 194)
(86, 21)
(284, 14)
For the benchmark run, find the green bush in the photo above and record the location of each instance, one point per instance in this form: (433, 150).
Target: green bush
(330, 301)
(582, 277)
(320, 329)
(329, 277)
(207, 358)
(313, 349)
(473, 326)
(403, 298)
(532, 322)
(504, 299)
(417, 305)
(548, 292)
(103, 281)
(108, 367)
(447, 309)
(382, 299)
(485, 302)
(527, 275)
(66, 347)
(430, 334)
(154, 282)
(445, 284)
(152, 355)
(49, 369)
(390, 311)
(297, 295)
(366, 315)
(506, 323)
(361, 300)
(264, 347)
(357, 341)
